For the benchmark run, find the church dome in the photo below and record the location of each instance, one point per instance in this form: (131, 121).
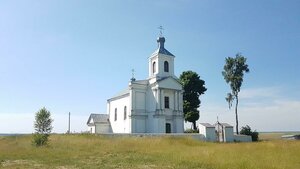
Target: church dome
(161, 47)
(161, 40)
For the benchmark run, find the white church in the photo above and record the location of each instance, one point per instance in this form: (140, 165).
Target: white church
(153, 105)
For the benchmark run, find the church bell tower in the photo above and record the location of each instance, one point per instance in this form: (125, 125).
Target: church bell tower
(161, 62)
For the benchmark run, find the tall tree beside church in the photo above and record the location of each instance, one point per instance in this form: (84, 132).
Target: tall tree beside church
(193, 87)
(233, 73)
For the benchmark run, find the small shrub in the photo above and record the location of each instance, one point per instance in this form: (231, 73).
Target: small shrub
(191, 131)
(254, 136)
(40, 139)
(247, 131)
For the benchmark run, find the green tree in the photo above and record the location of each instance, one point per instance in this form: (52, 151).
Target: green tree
(233, 73)
(229, 99)
(43, 127)
(193, 87)
(247, 131)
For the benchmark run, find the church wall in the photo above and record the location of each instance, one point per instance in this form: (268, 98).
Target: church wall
(179, 128)
(170, 94)
(150, 99)
(120, 125)
(138, 109)
(159, 124)
(173, 114)
(151, 107)
(170, 83)
(139, 124)
(140, 97)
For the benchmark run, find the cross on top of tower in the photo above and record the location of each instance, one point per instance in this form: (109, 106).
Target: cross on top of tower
(160, 30)
(132, 71)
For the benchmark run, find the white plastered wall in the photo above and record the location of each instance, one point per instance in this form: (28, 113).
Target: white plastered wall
(120, 125)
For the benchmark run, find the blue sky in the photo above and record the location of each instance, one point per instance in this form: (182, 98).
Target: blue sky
(71, 56)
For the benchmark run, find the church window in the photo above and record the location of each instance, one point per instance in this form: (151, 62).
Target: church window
(166, 66)
(154, 67)
(167, 102)
(125, 113)
(116, 114)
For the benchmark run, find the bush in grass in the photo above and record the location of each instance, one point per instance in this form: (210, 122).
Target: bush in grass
(43, 127)
(191, 131)
(40, 139)
(246, 130)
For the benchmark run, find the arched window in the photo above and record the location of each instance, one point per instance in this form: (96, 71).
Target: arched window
(154, 67)
(125, 112)
(116, 114)
(166, 66)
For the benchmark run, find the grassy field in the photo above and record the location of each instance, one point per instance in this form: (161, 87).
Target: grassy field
(90, 151)
(275, 135)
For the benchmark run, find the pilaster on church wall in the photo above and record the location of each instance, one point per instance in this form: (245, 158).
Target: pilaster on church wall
(156, 98)
(172, 67)
(181, 101)
(150, 67)
(162, 96)
(175, 100)
(132, 108)
(132, 100)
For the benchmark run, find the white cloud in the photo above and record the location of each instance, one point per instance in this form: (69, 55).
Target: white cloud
(265, 92)
(281, 115)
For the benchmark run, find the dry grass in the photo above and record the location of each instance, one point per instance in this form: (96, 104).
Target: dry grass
(89, 151)
(275, 135)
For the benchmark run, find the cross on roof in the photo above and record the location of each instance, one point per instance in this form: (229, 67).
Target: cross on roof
(161, 29)
(132, 71)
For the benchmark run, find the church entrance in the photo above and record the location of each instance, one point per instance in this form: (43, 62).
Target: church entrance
(168, 128)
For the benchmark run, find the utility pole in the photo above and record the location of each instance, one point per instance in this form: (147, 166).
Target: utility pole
(69, 123)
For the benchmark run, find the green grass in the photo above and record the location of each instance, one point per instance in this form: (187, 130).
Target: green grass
(90, 151)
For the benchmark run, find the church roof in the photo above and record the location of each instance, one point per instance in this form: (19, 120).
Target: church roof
(98, 118)
(123, 92)
(161, 49)
(167, 77)
(126, 91)
(142, 82)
